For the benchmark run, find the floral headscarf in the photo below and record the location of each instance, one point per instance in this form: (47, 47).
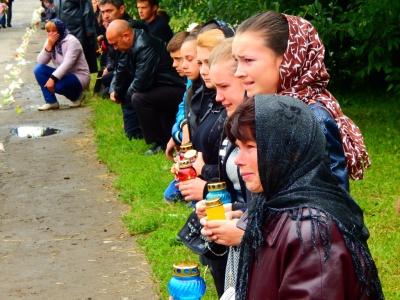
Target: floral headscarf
(303, 76)
(63, 32)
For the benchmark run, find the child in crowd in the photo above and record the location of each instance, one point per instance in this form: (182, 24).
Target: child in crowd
(49, 12)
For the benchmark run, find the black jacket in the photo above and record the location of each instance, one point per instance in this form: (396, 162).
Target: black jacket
(160, 28)
(199, 104)
(147, 64)
(208, 136)
(77, 16)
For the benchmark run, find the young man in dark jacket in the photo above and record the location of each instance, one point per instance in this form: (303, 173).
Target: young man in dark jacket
(158, 26)
(145, 83)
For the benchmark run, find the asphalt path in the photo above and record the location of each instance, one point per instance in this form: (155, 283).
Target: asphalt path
(61, 236)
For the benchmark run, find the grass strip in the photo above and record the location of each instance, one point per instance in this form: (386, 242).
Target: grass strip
(142, 180)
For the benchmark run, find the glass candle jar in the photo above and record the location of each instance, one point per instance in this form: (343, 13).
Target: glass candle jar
(186, 171)
(218, 190)
(215, 209)
(186, 283)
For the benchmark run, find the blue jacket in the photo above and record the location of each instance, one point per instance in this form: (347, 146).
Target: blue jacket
(180, 116)
(333, 144)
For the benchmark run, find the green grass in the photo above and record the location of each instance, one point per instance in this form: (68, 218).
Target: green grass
(142, 180)
(141, 183)
(378, 116)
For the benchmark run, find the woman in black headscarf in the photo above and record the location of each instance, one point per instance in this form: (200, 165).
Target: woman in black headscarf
(304, 235)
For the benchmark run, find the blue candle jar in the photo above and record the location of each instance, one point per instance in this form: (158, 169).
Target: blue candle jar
(218, 190)
(186, 283)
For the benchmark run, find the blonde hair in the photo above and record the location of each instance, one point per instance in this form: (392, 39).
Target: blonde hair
(50, 26)
(210, 39)
(222, 52)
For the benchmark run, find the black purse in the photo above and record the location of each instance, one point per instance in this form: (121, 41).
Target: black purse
(192, 238)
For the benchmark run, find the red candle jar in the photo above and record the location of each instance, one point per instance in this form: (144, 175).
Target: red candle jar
(186, 170)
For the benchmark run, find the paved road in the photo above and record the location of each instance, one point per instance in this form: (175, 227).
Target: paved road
(61, 236)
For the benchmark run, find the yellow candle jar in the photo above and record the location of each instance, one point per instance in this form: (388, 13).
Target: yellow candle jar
(215, 209)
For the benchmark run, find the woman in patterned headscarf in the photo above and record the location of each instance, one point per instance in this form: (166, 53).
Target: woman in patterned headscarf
(305, 237)
(282, 54)
(71, 76)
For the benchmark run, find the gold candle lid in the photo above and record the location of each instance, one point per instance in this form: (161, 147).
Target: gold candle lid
(186, 269)
(186, 147)
(184, 163)
(217, 186)
(213, 202)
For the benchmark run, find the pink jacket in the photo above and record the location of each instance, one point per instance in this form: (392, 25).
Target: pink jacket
(72, 61)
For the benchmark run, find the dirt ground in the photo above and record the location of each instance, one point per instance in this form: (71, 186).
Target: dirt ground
(61, 236)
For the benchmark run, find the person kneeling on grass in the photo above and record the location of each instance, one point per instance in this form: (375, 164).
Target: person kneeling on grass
(71, 75)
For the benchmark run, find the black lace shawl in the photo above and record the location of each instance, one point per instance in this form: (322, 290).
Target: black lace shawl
(295, 174)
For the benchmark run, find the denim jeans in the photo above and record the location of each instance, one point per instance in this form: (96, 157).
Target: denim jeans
(68, 86)
(172, 193)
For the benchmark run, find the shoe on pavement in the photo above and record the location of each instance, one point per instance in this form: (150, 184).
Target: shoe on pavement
(48, 106)
(156, 149)
(78, 102)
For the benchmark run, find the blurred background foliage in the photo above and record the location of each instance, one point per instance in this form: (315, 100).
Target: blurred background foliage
(361, 36)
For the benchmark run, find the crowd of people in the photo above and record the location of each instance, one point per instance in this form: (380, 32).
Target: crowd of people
(252, 102)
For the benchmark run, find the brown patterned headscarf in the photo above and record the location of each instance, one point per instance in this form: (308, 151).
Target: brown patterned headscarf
(303, 76)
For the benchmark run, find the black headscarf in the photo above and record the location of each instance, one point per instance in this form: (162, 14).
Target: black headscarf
(63, 32)
(295, 174)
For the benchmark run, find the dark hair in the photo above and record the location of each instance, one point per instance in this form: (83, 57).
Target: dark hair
(272, 26)
(177, 40)
(163, 14)
(242, 124)
(151, 2)
(221, 25)
(116, 3)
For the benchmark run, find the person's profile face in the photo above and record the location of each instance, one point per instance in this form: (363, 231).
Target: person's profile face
(189, 63)
(246, 160)
(110, 13)
(230, 90)
(258, 65)
(177, 61)
(202, 60)
(119, 42)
